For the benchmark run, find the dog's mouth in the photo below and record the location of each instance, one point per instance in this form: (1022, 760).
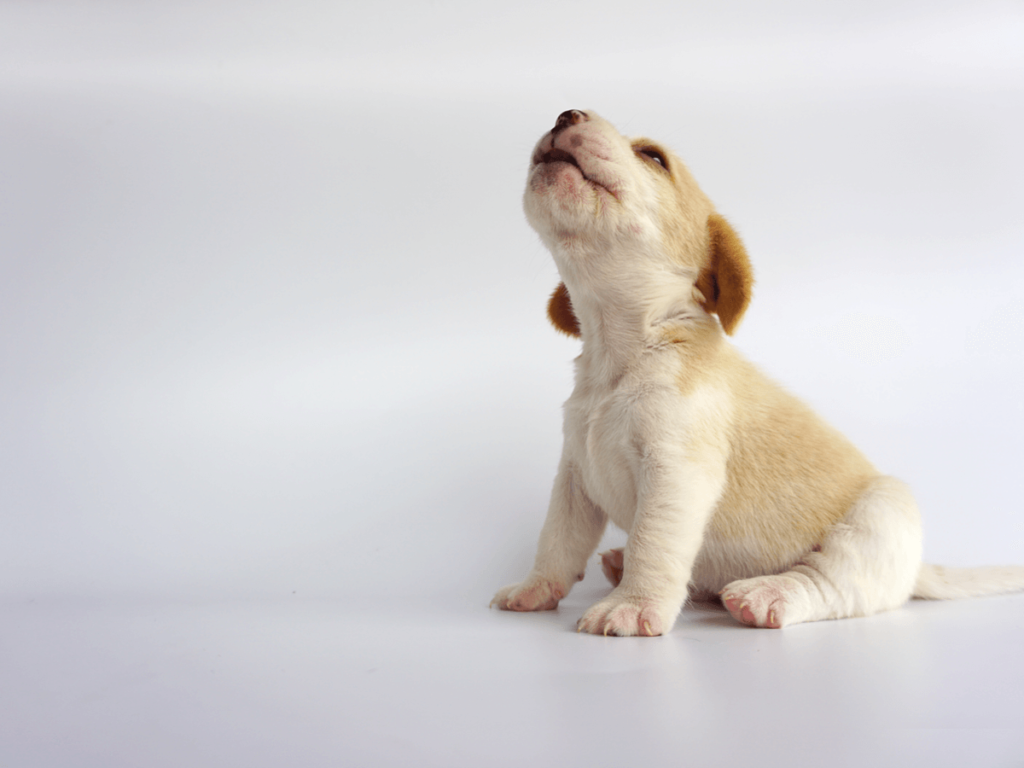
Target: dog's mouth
(555, 155)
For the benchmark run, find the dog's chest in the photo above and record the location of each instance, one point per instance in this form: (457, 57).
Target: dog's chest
(607, 431)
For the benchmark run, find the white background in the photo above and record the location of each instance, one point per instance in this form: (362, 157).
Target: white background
(279, 406)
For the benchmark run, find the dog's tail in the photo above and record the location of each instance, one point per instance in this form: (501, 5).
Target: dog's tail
(935, 582)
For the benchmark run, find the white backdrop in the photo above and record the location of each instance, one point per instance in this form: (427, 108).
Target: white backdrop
(272, 322)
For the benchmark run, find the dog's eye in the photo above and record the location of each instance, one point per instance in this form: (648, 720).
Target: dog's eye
(653, 154)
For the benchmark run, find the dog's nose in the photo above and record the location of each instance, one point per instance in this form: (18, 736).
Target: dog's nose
(568, 118)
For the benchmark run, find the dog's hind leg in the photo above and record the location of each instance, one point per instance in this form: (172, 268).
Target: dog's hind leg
(868, 563)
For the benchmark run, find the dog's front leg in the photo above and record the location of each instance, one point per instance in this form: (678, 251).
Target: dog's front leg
(675, 501)
(569, 537)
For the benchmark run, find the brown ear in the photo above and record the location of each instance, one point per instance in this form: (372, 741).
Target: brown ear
(727, 281)
(560, 312)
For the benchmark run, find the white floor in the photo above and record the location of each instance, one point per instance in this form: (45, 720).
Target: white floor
(301, 682)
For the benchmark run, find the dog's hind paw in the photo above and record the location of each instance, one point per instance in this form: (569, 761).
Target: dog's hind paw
(761, 601)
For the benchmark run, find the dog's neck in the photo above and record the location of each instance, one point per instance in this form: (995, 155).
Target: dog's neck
(627, 303)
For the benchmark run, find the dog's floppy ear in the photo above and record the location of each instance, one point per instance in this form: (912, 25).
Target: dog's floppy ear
(727, 280)
(560, 312)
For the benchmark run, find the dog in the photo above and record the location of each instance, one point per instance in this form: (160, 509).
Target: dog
(726, 484)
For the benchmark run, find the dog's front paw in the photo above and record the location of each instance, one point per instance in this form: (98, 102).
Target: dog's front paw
(762, 601)
(534, 594)
(627, 616)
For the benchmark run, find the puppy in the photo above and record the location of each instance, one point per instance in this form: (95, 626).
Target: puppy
(725, 483)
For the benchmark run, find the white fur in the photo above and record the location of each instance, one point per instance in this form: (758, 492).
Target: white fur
(665, 431)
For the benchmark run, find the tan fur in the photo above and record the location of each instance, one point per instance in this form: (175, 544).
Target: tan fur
(790, 477)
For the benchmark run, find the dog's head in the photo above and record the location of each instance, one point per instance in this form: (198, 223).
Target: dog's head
(607, 205)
